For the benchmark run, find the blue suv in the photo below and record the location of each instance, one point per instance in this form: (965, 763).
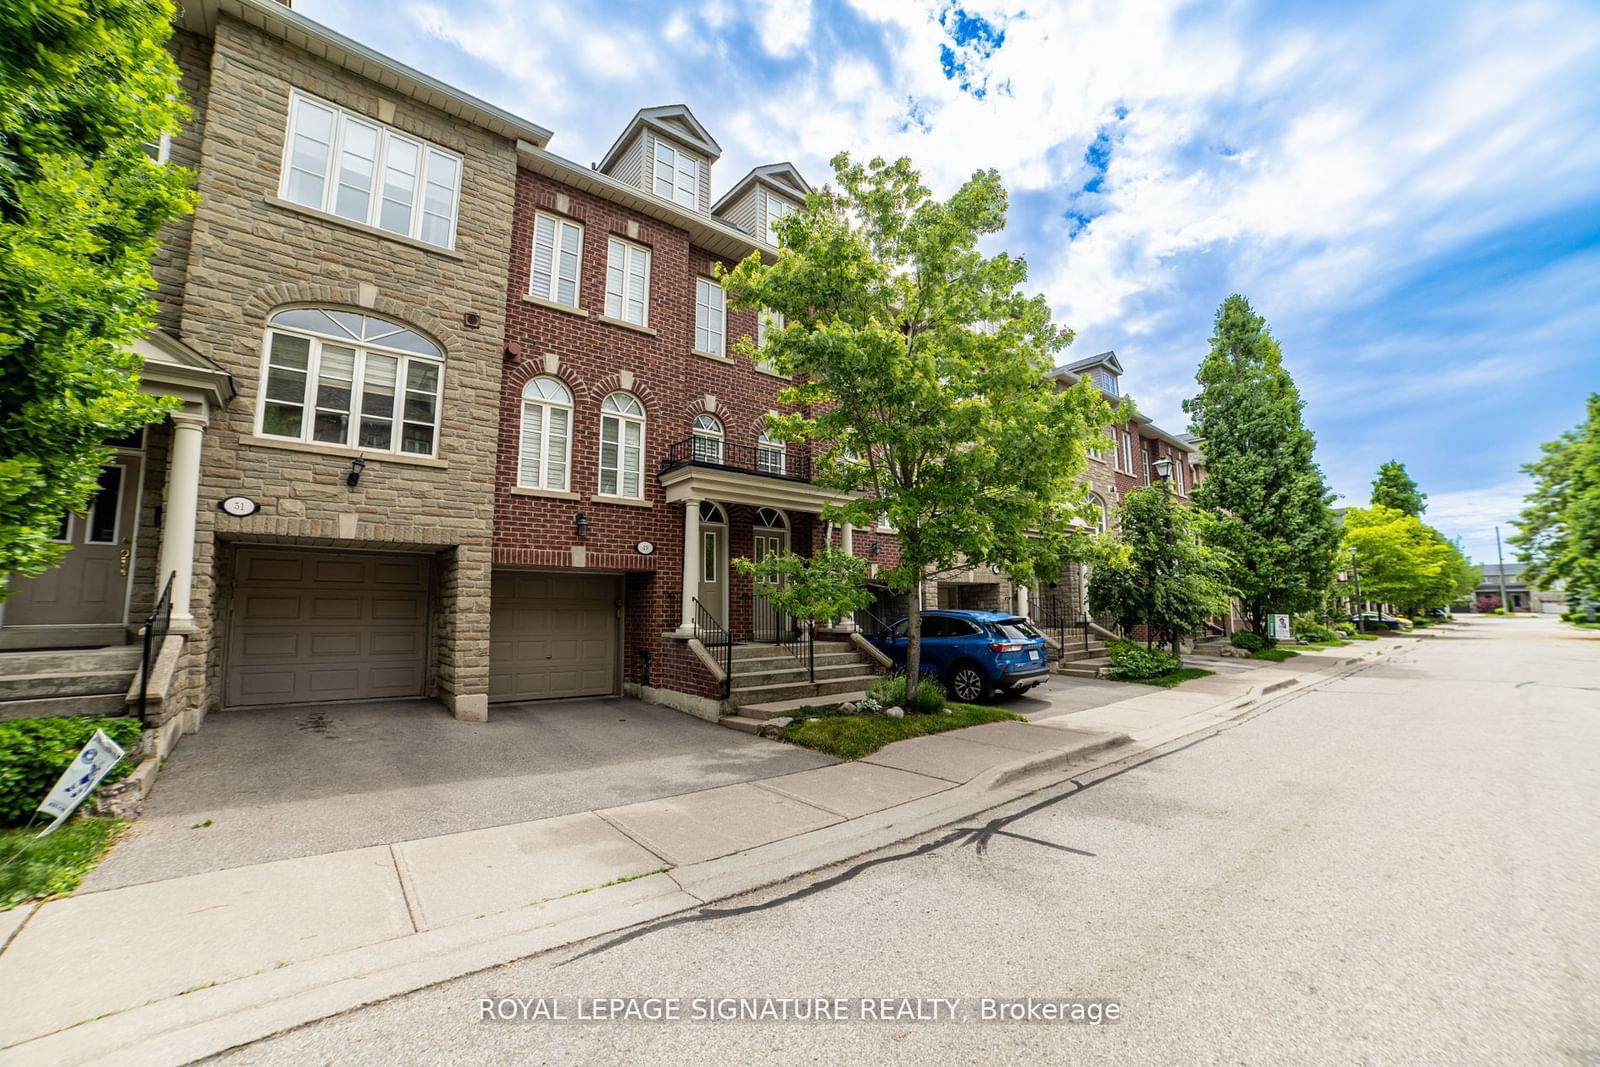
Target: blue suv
(974, 652)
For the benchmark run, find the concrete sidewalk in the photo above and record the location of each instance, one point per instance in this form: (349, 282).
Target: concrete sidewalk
(186, 967)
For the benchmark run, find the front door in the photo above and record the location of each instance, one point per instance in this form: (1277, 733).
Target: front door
(84, 601)
(713, 559)
(767, 620)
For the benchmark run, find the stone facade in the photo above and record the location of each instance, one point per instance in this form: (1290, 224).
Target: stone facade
(249, 253)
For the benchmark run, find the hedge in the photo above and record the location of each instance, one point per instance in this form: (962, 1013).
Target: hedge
(34, 752)
(1131, 660)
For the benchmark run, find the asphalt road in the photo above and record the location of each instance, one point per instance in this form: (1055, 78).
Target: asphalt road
(1400, 866)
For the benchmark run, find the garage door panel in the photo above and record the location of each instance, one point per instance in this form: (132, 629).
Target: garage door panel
(310, 627)
(552, 636)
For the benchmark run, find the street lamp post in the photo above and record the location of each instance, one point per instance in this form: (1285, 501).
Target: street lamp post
(1163, 471)
(1355, 572)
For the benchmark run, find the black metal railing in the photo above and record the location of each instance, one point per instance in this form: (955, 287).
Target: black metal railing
(156, 627)
(868, 624)
(769, 626)
(1067, 629)
(766, 460)
(709, 631)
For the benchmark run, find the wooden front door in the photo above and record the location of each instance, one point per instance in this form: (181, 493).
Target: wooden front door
(83, 601)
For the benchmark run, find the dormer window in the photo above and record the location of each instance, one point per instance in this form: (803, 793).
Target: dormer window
(776, 209)
(1105, 381)
(677, 175)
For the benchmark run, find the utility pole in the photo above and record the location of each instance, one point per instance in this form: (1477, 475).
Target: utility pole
(1355, 572)
(1505, 605)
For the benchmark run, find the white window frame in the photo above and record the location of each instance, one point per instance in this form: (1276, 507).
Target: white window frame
(1127, 452)
(621, 470)
(551, 289)
(683, 168)
(785, 208)
(618, 277)
(1144, 459)
(162, 148)
(533, 396)
(772, 455)
(363, 349)
(708, 428)
(710, 303)
(427, 155)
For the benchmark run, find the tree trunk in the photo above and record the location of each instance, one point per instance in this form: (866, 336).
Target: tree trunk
(913, 635)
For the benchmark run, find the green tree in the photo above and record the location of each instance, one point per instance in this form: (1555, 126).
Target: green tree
(830, 584)
(1558, 531)
(1394, 488)
(1157, 569)
(83, 87)
(1263, 487)
(1403, 561)
(920, 373)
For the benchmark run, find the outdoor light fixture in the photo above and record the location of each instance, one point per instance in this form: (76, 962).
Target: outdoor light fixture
(873, 550)
(357, 465)
(1163, 468)
(582, 522)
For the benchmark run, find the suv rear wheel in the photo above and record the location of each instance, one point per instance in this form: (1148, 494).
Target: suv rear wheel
(968, 683)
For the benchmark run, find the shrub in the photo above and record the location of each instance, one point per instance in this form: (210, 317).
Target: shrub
(927, 696)
(34, 752)
(1248, 640)
(1311, 630)
(1131, 660)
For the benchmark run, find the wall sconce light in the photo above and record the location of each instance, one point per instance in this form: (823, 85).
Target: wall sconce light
(357, 465)
(873, 549)
(582, 523)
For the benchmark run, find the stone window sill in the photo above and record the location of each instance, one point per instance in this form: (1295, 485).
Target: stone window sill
(554, 305)
(549, 494)
(710, 355)
(368, 454)
(626, 501)
(361, 227)
(625, 324)
(770, 373)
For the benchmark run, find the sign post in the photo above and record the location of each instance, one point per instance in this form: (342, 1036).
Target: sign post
(93, 763)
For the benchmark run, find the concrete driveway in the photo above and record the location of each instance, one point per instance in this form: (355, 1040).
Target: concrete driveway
(262, 785)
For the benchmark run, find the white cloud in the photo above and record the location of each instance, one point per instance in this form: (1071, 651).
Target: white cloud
(784, 25)
(1472, 514)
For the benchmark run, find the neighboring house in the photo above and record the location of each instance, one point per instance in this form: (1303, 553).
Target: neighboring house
(333, 318)
(1519, 595)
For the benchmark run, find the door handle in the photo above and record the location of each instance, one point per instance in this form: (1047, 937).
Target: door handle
(124, 556)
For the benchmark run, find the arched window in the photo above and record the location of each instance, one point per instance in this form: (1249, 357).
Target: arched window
(1099, 505)
(771, 456)
(707, 439)
(545, 449)
(711, 512)
(348, 378)
(622, 446)
(771, 519)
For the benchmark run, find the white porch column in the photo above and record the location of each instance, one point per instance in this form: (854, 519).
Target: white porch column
(1022, 600)
(691, 547)
(847, 539)
(181, 502)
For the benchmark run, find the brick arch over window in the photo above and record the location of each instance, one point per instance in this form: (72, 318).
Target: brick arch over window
(698, 406)
(612, 383)
(270, 298)
(531, 367)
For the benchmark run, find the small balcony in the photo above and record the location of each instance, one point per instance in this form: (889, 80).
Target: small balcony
(763, 460)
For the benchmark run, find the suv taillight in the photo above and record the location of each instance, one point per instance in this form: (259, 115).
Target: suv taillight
(1009, 646)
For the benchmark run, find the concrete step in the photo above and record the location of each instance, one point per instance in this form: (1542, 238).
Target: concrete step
(64, 684)
(772, 709)
(46, 707)
(71, 661)
(751, 679)
(786, 662)
(743, 723)
(763, 694)
(1072, 655)
(1084, 668)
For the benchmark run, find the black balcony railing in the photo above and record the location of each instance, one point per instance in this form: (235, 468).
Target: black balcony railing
(790, 463)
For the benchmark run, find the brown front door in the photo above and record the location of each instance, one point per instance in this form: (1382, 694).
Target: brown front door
(83, 601)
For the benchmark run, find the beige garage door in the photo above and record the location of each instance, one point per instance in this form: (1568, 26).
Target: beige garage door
(552, 635)
(314, 626)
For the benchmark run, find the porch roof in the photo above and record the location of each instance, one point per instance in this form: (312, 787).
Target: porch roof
(725, 486)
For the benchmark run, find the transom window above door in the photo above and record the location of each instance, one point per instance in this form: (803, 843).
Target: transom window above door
(354, 167)
(347, 378)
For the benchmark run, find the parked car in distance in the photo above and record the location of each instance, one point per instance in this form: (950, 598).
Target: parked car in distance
(1373, 620)
(975, 653)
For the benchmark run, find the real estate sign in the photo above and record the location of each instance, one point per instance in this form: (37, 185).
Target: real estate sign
(81, 776)
(1278, 628)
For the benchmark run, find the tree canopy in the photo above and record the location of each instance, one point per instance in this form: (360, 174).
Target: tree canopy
(921, 373)
(83, 87)
(1403, 561)
(1156, 568)
(829, 584)
(1558, 531)
(1394, 488)
(1263, 488)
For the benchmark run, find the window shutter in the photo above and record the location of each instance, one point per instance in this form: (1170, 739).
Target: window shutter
(544, 250)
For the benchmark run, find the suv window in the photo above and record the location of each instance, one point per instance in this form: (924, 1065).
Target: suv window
(945, 626)
(899, 629)
(1014, 631)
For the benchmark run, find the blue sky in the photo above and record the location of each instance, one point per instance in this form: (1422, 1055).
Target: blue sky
(1410, 193)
